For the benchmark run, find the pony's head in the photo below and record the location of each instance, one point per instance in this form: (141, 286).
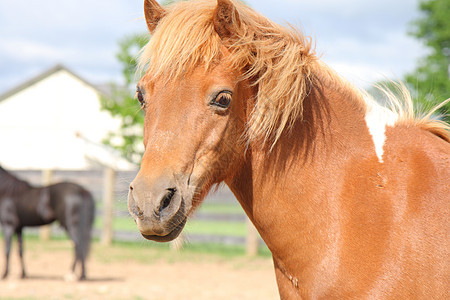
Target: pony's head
(206, 91)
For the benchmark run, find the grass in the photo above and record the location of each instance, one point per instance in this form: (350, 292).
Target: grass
(145, 252)
(119, 223)
(221, 208)
(193, 226)
(216, 228)
(206, 207)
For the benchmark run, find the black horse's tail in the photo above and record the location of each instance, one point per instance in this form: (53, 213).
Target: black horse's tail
(86, 220)
(79, 218)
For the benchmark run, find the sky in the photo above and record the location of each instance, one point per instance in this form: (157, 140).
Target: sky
(364, 40)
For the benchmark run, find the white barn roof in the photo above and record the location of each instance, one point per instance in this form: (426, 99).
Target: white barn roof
(55, 121)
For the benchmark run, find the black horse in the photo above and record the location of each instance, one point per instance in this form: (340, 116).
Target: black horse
(22, 205)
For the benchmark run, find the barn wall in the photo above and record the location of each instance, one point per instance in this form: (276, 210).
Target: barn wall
(40, 126)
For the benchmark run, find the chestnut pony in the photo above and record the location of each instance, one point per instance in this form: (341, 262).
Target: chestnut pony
(351, 198)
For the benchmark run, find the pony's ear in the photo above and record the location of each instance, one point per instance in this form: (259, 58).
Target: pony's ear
(153, 14)
(226, 19)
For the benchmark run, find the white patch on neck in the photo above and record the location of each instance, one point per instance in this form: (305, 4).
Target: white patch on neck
(377, 118)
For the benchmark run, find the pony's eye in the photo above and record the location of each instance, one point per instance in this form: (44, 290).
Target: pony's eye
(140, 97)
(222, 100)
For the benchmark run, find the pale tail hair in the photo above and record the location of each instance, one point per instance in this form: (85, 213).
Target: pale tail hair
(400, 101)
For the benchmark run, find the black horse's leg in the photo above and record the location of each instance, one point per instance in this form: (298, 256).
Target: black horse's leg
(74, 263)
(7, 234)
(20, 240)
(75, 259)
(79, 258)
(83, 271)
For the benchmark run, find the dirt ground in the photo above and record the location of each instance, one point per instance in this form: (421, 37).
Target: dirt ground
(204, 277)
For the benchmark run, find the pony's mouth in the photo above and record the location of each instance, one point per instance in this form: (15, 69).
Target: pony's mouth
(160, 218)
(169, 237)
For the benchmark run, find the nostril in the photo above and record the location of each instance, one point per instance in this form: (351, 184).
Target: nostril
(167, 199)
(131, 187)
(138, 212)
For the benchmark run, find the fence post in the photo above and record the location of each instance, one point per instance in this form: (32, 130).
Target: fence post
(46, 230)
(109, 177)
(251, 239)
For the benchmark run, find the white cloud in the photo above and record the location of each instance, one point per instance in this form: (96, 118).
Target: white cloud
(361, 75)
(25, 50)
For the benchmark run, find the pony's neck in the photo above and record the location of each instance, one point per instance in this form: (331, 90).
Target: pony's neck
(294, 187)
(332, 128)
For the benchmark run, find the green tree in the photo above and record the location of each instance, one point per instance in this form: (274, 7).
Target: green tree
(121, 102)
(431, 80)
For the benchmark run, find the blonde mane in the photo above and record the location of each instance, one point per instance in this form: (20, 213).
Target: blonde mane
(185, 38)
(278, 60)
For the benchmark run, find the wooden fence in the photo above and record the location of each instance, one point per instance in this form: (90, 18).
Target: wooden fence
(110, 189)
